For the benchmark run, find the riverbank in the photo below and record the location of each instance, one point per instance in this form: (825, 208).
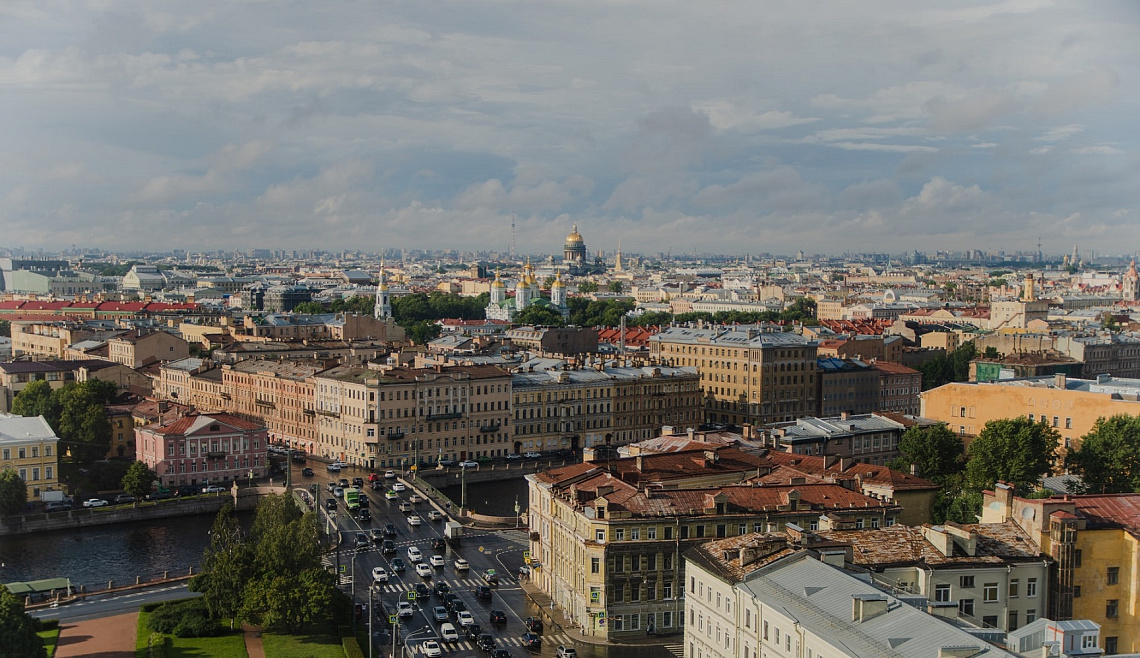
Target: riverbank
(97, 516)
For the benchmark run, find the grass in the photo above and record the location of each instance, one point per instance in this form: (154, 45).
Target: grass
(309, 643)
(230, 645)
(50, 639)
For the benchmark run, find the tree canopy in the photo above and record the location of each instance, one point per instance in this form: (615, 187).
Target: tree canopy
(18, 637)
(139, 480)
(13, 492)
(76, 413)
(1013, 450)
(952, 367)
(936, 451)
(539, 315)
(1108, 459)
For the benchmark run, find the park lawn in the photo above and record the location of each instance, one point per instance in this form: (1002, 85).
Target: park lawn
(50, 639)
(306, 644)
(230, 645)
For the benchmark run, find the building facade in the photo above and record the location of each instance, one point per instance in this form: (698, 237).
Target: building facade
(204, 449)
(29, 447)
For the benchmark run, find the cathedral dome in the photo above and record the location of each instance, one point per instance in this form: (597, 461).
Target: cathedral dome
(575, 238)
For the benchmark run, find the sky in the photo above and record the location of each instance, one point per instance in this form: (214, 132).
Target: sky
(676, 126)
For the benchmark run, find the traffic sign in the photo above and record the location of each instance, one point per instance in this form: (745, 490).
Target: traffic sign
(482, 550)
(343, 568)
(391, 619)
(411, 595)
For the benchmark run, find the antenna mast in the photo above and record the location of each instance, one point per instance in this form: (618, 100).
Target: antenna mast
(512, 252)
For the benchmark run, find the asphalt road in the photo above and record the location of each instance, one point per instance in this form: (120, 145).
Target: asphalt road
(113, 604)
(502, 551)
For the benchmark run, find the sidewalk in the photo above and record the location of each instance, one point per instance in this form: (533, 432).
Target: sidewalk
(107, 637)
(253, 645)
(554, 618)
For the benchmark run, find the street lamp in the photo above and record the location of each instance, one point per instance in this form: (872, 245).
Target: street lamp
(518, 517)
(408, 650)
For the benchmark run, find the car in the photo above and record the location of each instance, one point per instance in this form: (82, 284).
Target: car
(531, 641)
(442, 589)
(450, 598)
(342, 483)
(186, 490)
(330, 486)
(330, 503)
(566, 652)
(372, 477)
(308, 472)
(448, 633)
(362, 540)
(423, 570)
(533, 624)
(364, 515)
(124, 498)
(457, 606)
(213, 488)
(431, 649)
(498, 617)
(398, 565)
(436, 561)
(461, 564)
(414, 499)
(446, 463)
(491, 576)
(95, 502)
(358, 483)
(57, 506)
(363, 501)
(159, 495)
(389, 475)
(484, 459)
(388, 547)
(422, 590)
(376, 486)
(398, 486)
(439, 613)
(513, 456)
(486, 642)
(467, 463)
(500, 653)
(338, 492)
(333, 468)
(415, 520)
(437, 543)
(376, 535)
(391, 495)
(404, 609)
(435, 515)
(389, 529)
(415, 555)
(341, 464)
(483, 593)
(473, 631)
(406, 508)
(379, 575)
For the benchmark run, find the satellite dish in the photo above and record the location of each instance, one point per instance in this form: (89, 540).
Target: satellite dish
(1028, 513)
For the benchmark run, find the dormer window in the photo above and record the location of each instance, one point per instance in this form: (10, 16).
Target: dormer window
(215, 428)
(601, 511)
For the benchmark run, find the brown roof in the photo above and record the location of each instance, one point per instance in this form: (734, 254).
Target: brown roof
(816, 466)
(899, 545)
(1111, 511)
(184, 424)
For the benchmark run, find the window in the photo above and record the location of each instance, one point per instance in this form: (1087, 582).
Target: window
(600, 535)
(1013, 620)
(990, 592)
(1077, 555)
(1111, 608)
(651, 533)
(635, 533)
(966, 581)
(668, 532)
(1076, 591)
(667, 619)
(619, 534)
(942, 593)
(966, 607)
(1088, 641)
(1013, 585)
(1031, 588)
(765, 630)
(748, 618)
(1113, 576)
(1030, 615)
(667, 591)
(1110, 644)
(595, 565)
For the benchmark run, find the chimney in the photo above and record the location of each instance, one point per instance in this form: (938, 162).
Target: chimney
(639, 463)
(1059, 380)
(844, 415)
(746, 431)
(865, 607)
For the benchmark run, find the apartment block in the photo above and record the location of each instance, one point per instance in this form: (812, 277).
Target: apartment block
(30, 447)
(899, 387)
(279, 393)
(846, 386)
(202, 449)
(139, 347)
(865, 438)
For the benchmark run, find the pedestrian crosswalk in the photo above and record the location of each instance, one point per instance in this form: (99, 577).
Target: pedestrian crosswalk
(393, 587)
(500, 642)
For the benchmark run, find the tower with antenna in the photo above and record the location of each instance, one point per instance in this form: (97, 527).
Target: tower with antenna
(511, 253)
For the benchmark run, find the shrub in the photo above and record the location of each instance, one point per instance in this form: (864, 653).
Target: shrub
(159, 645)
(194, 625)
(184, 619)
(351, 647)
(47, 624)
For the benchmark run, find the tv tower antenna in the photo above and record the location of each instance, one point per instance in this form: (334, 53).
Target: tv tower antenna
(512, 251)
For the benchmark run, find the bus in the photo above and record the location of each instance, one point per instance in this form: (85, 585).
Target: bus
(352, 499)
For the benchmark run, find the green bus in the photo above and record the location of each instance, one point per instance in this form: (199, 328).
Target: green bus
(352, 499)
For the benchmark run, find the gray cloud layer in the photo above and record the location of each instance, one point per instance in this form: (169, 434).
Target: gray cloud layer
(726, 127)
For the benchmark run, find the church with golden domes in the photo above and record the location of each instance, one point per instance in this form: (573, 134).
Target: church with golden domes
(575, 259)
(527, 294)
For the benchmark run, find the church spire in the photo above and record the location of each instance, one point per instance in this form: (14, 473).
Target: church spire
(383, 307)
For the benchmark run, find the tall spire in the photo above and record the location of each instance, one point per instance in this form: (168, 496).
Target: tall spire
(383, 307)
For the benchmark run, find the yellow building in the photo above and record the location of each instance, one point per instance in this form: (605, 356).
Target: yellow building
(1071, 406)
(1094, 543)
(30, 447)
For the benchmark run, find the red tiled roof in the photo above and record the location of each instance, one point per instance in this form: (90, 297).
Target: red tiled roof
(1111, 510)
(182, 425)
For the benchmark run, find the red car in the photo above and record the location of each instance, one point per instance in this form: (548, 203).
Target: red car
(372, 477)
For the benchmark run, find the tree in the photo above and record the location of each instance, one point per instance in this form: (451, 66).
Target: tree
(1109, 457)
(13, 492)
(18, 637)
(587, 286)
(309, 308)
(1013, 450)
(617, 287)
(953, 367)
(227, 565)
(5, 328)
(539, 315)
(37, 399)
(139, 480)
(935, 450)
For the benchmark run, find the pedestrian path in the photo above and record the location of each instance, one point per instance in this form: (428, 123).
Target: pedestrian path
(500, 642)
(454, 583)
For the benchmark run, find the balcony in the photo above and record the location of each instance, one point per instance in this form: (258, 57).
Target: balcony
(265, 403)
(394, 436)
(486, 429)
(447, 416)
(215, 454)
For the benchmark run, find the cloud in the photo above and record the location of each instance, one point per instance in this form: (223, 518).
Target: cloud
(724, 115)
(971, 112)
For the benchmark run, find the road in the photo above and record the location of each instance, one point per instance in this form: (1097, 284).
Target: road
(502, 551)
(97, 606)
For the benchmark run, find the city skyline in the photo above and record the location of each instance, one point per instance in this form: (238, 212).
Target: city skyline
(680, 128)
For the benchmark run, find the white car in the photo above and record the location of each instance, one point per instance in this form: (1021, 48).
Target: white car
(405, 609)
(415, 520)
(464, 618)
(391, 495)
(95, 502)
(468, 464)
(436, 561)
(379, 575)
(532, 455)
(414, 555)
(423, 570)
(448, 633)
(413, 499)
(435, 515)
(461, 564)
(399, 486)
(389, 474)
(333, 468)
(431, 649)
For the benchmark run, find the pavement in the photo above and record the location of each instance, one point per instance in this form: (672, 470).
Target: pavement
(107, 637)
(560, 623)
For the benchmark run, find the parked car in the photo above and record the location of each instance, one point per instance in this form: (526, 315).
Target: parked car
(307, 472)
(213, 488)
(95, 502)
(566, 652)
(439, 613)
(514, 456)
(533, 624)
(423, 570)
(448, 633)
(532, 455)
(435, 515)
(498, 617)
(160, 495)
(531, 641)
(333, 468)
(431, 649)
(467, 463)
(446, 463)
(57, 506)
(124, 498)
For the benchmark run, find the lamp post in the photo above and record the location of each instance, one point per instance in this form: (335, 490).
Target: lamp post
(518, 518)
(408, 650)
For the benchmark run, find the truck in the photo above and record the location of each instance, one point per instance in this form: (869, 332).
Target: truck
(57, 496)
(453, 531)
(352, 499)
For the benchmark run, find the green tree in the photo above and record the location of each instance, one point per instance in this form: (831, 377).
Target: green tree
(1013, 450)
(13, 492)
(650, 319)
(18, 637)
(617, 287)
(587, 286)
(539, 315)
(227, 565)
(309, 308)
(5, 328)
(1108, 460)
(83, 423)
(37, 399)
(952, 367)
(936, 451)
(139, 480)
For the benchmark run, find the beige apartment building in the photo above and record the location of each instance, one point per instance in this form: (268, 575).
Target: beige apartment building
(397, 417)
(749, 373)
(49, 340)
(29, 447)
(280, 393)
(139, 347)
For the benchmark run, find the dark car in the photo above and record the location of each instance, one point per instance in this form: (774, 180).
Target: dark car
(358, 483)
(455, 607)
(422, 591)
(388, 547)
(498, 617)
(439, 613)
(57, 506)
(189, 490)
(531, 641)
(124, 498)
(486, 642)
(307, 472)
(500, 653)
(364, 515)
(398, 564)
(483, 593)
(533, 624)
(158, 495)
(438, 544)
(473, 631)
(389, 530)
(442, 589)
(330, 503)
(377, 485)
(362, 540)
(448, 598)
(342, 483)
(362, 500)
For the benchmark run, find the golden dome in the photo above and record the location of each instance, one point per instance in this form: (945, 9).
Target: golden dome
(498, 284)
(575, 237)
(558, 283)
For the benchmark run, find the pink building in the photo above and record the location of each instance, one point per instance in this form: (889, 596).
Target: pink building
(201, 449)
